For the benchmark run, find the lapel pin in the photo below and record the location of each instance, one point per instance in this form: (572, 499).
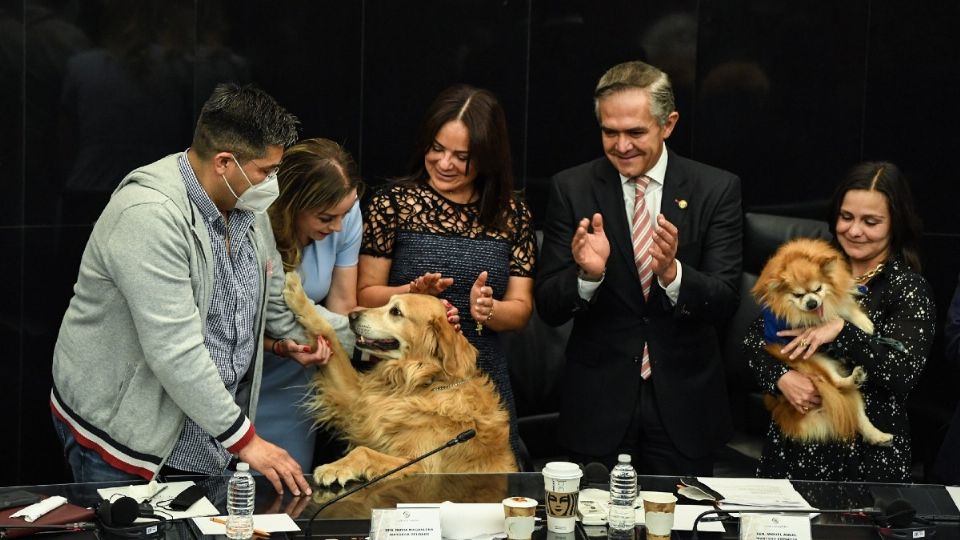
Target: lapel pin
(682, 203)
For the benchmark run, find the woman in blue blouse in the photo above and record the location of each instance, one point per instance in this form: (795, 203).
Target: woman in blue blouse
(317, 224)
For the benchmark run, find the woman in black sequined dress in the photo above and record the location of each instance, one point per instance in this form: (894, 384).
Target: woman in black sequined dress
(453, 228)
(874, 220)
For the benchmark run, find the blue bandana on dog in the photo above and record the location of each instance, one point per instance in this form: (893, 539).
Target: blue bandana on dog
(771, 325)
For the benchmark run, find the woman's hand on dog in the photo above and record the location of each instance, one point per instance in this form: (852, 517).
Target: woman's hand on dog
(799, 391)
(808, 340)
(276, 465)
(453, 314)
(307, 355)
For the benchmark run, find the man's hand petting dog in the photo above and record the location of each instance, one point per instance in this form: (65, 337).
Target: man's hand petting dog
(799, 391)
(276, 465)
(808, 340)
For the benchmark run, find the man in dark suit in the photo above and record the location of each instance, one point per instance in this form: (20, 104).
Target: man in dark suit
(643, 249)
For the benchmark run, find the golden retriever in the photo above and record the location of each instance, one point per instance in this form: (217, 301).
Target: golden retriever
(805, 283)
(425, 391)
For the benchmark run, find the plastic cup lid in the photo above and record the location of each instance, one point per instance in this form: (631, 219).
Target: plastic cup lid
(562, 470)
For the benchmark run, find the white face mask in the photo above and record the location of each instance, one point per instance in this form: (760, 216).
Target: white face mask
(258, 197)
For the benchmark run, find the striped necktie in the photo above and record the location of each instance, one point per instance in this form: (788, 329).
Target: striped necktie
(642, 235)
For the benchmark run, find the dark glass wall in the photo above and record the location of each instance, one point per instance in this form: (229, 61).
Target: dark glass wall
(788, 95)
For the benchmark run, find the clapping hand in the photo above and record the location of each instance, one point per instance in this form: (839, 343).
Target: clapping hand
(432, 283)
(481, 299)
(591, 249)
(664, 250)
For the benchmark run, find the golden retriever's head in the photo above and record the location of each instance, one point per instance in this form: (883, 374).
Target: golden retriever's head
(414, 326)
(801, 280)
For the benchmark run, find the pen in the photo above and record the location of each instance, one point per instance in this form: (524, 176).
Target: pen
(155, 493)
(256, 532)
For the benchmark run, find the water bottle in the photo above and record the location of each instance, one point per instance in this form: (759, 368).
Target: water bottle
(623, 494)
(240, 491)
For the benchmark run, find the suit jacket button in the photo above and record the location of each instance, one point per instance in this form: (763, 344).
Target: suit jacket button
(646, 320)
(636, 359)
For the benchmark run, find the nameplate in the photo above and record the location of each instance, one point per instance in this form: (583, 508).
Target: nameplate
(774, 527)
(409, 523)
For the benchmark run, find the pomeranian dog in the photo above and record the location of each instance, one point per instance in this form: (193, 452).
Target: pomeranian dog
(806, 283)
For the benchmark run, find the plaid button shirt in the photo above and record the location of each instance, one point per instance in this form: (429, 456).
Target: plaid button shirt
(230, 333)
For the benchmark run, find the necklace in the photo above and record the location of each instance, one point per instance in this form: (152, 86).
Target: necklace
(448, 386)
(865, 277)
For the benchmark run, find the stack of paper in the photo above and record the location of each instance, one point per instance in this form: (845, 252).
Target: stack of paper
(741, 494)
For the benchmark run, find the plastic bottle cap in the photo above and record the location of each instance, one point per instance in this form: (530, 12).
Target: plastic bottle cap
(622, 458)
(244, 467)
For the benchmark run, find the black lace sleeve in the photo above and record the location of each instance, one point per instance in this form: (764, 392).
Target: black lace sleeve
(905, 321)
(380, 225)
(523, 262)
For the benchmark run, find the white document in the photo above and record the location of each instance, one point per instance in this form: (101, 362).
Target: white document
(162, 495)
(756, 492)
(462, 521)
(774, 527)
(407, 523)
(270, 523)
(954, 492)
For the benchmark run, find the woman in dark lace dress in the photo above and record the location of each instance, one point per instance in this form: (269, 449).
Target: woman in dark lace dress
(454, 229)
(874, 220)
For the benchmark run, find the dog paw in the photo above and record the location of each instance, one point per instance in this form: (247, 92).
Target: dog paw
(330, 474)
(859, 376)
(882, 439)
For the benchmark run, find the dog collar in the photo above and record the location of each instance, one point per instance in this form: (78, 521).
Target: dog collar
(448, 386)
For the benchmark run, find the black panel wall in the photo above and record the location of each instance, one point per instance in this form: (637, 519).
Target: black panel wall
(788, 95)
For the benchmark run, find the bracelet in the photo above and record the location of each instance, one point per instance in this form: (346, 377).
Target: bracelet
(479, 327)
(274, 348)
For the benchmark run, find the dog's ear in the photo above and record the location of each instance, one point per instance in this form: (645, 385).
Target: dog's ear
(763, 287)
(829, 262)
(456, 354)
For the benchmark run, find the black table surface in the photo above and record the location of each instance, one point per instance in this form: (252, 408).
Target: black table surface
(349, 517)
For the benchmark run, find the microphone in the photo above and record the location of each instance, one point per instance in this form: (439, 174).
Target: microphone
(595, 474)
(463, 437)
(873, 512)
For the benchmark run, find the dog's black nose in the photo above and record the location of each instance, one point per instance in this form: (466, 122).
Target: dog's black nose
(353, 315)
(812, 303)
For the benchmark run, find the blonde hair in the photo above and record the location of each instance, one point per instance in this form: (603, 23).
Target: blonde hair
(315, 174)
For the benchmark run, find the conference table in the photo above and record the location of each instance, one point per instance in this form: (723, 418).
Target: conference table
(349, 518)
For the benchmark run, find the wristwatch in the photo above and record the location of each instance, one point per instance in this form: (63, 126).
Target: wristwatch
(583, 276)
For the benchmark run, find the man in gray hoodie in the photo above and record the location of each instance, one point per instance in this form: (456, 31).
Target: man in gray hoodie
(158, 362)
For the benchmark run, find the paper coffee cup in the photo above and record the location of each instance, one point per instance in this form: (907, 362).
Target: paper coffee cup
(561, 482)
(519, 517)
(658, 509)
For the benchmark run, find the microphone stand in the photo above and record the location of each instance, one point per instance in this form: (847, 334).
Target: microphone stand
(463, 437)
(719, 512)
